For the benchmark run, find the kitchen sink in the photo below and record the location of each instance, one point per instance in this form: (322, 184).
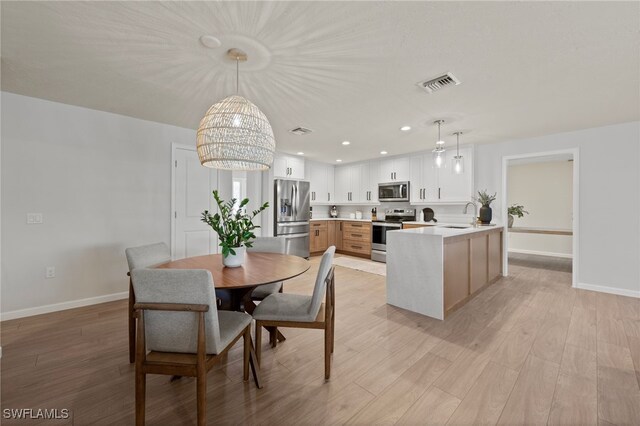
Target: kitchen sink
(456, 227)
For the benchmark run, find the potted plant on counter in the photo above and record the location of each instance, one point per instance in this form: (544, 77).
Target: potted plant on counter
(234, 228)
(485, 201)
(515, 210)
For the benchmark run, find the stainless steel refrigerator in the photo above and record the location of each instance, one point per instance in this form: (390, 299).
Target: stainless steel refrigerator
(291, 215)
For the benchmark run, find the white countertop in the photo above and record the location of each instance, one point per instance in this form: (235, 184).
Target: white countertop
(443, 231)
(340, 218)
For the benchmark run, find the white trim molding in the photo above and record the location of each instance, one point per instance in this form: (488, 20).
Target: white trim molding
(610, 290)
(63, 306)
(542, 253)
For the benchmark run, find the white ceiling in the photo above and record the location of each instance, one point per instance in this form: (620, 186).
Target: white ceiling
(347, 70)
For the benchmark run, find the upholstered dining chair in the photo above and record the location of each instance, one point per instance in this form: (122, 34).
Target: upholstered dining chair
(142, 257)
(300, 311)
(181, 332)
(268, 245)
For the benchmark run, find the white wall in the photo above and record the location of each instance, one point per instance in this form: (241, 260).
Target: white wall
(102, 182)
(545, 189)
(609, 188)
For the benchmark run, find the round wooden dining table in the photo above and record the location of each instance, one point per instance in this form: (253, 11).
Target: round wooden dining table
(258, 269)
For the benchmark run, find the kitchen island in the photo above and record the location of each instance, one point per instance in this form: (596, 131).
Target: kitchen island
(436, 269)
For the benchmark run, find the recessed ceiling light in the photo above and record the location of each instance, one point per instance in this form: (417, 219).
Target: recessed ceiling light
(383, 152)
(346, 143)
(338, 161)
(405, 128)
(301, 153)
(210, 41)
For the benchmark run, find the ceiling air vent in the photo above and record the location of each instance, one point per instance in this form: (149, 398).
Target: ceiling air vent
(439, 83)
(300, 131)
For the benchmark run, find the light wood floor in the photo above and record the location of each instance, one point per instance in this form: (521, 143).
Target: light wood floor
(527, 350)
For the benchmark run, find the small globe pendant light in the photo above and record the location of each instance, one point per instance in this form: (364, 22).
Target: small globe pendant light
(457, 163)
(234, 134)
(438, 152)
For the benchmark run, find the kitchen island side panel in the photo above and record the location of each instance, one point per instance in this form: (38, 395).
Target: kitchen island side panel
(415, 273)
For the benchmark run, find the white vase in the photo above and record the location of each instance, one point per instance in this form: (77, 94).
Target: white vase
(234, 260)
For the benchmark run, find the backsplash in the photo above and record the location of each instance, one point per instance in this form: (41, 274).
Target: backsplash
(443, 213)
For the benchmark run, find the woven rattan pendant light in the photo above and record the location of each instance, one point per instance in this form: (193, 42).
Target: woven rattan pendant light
(234, 134)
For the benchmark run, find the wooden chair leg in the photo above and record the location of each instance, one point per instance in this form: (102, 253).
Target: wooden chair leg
(247, 353)
(333, 330)
(273, 336)
(327, 352)
(132, 325)
(141, 387)
(258, 341)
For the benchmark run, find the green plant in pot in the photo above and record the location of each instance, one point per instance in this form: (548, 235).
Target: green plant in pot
(515, 210)
(234, 228)
(485, 201)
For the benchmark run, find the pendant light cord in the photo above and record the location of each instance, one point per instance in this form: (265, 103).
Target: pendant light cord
(237, 75)
(457, 144)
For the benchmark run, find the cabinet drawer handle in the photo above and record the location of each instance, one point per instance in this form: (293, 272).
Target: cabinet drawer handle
(356, 225)
(356, 247)
(356, 235)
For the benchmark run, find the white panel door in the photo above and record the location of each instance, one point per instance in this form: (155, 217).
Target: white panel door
(193, 187)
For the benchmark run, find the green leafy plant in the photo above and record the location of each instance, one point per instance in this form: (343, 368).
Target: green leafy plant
(485, 199)
(234, 227)
(516, 210)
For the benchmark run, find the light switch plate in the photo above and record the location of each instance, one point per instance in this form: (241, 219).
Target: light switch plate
(34, 218)
(50, 272)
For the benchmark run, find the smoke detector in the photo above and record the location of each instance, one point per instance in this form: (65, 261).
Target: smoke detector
(301, 131)
(438, 83)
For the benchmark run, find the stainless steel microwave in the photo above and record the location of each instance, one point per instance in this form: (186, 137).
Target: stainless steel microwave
(393, 191)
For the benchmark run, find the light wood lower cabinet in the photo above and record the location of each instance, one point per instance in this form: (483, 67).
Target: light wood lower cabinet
(356, 238)
(352, 238)
(471, 262)
(319, 236)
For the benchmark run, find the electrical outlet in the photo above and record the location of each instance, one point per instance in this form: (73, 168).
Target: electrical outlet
(34, 218)
(50, 272)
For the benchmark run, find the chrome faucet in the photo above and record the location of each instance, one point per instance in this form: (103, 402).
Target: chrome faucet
(475, 212)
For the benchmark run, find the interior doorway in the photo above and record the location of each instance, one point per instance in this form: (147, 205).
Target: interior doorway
(541, 192)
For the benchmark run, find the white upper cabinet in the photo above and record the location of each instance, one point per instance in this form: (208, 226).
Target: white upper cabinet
(356, 183)
(370, 176)
(394, 169)
(343, 184)
(321, 178)
(430, 184)
(288, 167)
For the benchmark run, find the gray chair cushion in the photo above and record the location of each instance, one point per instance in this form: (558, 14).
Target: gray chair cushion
(147, 256)
(261, 292)
(285, 307)
(267, 245)
(177, 331)
(231, 325)
(296, 307)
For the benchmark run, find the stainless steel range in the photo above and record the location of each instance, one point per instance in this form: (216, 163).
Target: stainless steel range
(393, 219)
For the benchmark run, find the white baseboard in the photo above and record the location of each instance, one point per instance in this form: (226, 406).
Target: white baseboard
(38, 310)
(610, 290)
(541, 253)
